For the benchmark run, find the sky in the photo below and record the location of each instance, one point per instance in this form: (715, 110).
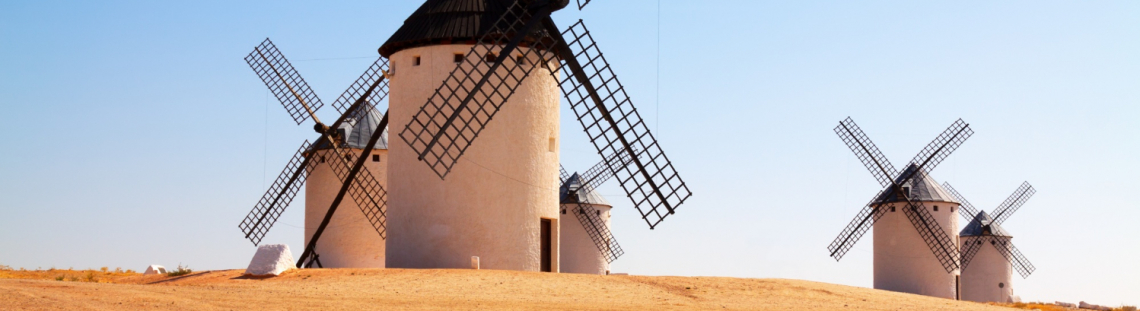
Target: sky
(135, 133)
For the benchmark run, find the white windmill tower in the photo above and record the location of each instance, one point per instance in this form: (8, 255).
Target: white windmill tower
(987, 272)
(351, 148)
(588, 246)
(505, 61)
(915, 220)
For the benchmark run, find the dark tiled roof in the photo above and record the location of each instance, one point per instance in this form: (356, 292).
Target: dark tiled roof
(922, 188)
(359, 130)
(444, 22)
(574, 183)
(983, 225)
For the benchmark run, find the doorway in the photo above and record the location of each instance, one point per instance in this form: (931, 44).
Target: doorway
(544, 237)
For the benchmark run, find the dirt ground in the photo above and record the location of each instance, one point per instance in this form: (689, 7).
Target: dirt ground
(399, 289)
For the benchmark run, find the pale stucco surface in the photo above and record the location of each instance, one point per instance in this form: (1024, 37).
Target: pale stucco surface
(903, 262)
(579, 253)
(492, 202)
(988, 277)
(349, 241)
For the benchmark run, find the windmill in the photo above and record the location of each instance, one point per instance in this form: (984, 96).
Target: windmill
(502, 64)
(904, 244)
(989, 278)
(337, 157)
(589, 246)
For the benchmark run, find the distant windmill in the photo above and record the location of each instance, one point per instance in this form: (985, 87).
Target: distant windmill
(492, 70)
(588, 245)
(344, 146)
(902, 261)
(988, 278)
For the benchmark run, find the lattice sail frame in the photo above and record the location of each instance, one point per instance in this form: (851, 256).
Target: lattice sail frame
(365, 190)
(1010, 252)
(971, 245)
(461, 107)
(283, 81)
(963, 204)
(360, 86)
(1014, 202)
(280, 194)
(652, 184)
(596, 228)
(294, 93)
(939, 242)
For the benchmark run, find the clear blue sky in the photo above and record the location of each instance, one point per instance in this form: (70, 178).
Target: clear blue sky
(135, 134)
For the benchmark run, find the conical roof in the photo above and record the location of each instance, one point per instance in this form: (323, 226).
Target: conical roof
(588, 196)
(446, 22)
(983, 225)
(359, 129)
(922, 188)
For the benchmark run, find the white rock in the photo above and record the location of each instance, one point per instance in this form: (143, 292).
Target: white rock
(1066, 304)
(154, 269)
(1085, 305)
(271, 260)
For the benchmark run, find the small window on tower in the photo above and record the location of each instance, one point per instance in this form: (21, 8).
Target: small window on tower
(458, 58)
(936, 208)
(521, 60)
(490, 58)
(416, 60)
(1001, 285)
(892, 208)
(376, 158)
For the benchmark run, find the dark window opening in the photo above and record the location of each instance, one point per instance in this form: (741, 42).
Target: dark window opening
(564, 211)
(376, 158)
(458, 58)
(936, 208)
(348, 157)
(892, 208)
(1001, 285)
(490, 58)
(521, 60)
(599, 213)
(416, 61)
(322, 159)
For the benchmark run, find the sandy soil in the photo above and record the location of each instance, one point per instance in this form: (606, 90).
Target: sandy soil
(398, 289)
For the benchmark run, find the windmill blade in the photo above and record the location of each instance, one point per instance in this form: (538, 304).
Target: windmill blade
(970, 211)
(264, 214)
(358, 88)
(355, 170)
(368, 194)
(562, 175)
(856, 229)
(942, 146)
(601, 172)
(477, 88)
(931, 232)
(1014, 202)
(284, 81)
(970, 248)
(866, 151)
(1018, 260)
(614, 126)
(599, 233)
(590, 218)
